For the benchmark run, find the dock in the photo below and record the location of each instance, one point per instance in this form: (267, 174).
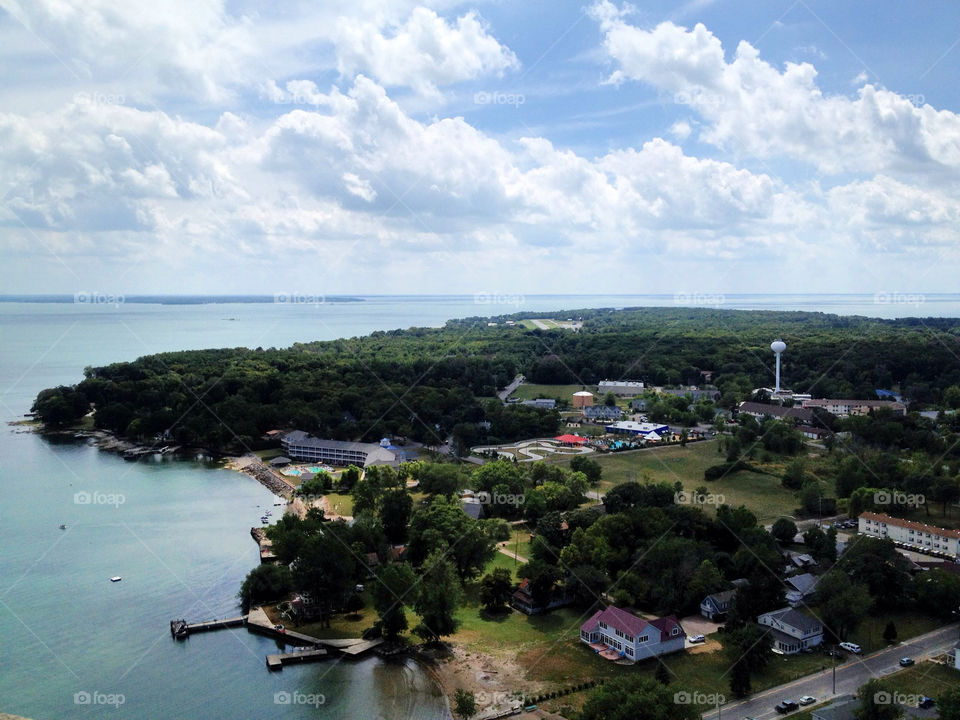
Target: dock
(182, 629)
(276, 661)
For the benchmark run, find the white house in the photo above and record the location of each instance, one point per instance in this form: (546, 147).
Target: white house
(792, 630)
(912, 535)
(616, 633)
(801, 588)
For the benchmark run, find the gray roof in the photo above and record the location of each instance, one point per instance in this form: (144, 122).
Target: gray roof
(280, 460)
(721, 597)
(299, 437)
(777, 411)
(602, 411)
(794, 618)
(473, 508)
(803, 583)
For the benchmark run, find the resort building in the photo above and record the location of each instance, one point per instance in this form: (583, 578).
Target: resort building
(625, 388)
(792, 630)
(302, 446)
(846, 408)
(761, 410)
(911, 535)
(616, 633)
(630, 427)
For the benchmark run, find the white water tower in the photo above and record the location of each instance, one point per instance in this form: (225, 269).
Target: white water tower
(778, 346)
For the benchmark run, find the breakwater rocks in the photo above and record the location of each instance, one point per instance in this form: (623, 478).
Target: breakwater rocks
(260, 472)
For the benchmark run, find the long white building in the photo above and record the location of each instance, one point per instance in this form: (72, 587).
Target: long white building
(302, 446)
(620, 387)
(918, 536)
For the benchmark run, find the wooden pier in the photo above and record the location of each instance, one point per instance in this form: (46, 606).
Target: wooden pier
(182, 629)
(276, 661)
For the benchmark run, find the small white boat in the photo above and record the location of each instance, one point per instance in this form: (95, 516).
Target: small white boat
(116, 578)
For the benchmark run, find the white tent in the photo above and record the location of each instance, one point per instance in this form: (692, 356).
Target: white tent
(651, 436)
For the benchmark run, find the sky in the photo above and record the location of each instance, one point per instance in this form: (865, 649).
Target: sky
(707, 146)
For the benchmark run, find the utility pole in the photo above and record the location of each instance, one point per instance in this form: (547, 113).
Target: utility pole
(833, 657)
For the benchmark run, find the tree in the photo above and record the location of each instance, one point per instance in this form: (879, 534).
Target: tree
(349, 477)
(843, 605)
(794, 474)
(875, 562)
(610, 399)
(635, 697)
(784, 530)
(662, 674)
(495, 589)
(464, 704)
(542, 576)
(325, 567)
(875, 703)
(949, 704)
(938, 593)
(890, 633)
(437, 599)
(750, 653)
(391, 589)
(443, 524)
(265, 583)
(591, 468)
(396, 507)
(705, 580)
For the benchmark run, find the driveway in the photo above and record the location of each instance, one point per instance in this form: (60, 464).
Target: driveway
(850, 676)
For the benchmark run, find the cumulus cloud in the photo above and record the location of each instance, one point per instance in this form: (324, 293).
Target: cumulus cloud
(423, 53)
(753, 108)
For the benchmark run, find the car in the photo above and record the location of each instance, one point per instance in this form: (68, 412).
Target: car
(851, 647)
(906, 662)
(807, 700)
(926, 702)
(696, 639)
(786, 706)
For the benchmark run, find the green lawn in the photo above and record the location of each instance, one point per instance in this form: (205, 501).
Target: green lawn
(869, 635)
(760, 492)
(560, 392)
(340, 504)
(927, 678)
(268, 454)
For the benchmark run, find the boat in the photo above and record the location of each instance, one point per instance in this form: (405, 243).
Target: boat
(63, 527)
(116, 578)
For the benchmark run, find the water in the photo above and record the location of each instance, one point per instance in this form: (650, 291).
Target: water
(180, 536)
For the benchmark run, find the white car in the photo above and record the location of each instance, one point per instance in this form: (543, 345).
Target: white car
(807, 700)
(851, 647)
(696, 639)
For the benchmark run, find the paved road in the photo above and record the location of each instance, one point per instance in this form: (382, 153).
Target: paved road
(508, 390)
(850, 676)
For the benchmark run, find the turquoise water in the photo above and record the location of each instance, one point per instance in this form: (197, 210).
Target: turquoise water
(180, 536)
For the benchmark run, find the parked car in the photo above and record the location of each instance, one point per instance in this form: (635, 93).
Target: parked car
(851, 647)
(906, 662)
(807, 700)
(696, 639)
(786, 706)
(926, 702)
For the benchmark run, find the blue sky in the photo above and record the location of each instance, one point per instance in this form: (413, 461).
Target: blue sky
(513, 148)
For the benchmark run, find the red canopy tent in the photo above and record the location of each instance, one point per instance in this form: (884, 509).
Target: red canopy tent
(571, 440)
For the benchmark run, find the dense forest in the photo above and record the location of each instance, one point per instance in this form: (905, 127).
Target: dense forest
(427, 384)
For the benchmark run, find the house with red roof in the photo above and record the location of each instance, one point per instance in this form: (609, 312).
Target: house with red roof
(617, 634)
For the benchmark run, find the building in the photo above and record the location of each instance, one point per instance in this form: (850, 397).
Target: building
(761, 410)
(523, 601)
(911, 535)
(813, 433)
(696, 393)
(571, 440)
(303, 446)
(279, 461)
(637, 428)
(624, 388)
(792, 631)
(602, 413)
(717, 605)
(638, 404)
(616, 633)
(801, 588)
(473, 508)
(541, 403)
(582, 399)
(845, 408)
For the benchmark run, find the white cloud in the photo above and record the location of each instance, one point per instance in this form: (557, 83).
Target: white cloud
(423, 53)
(680, 130)
(753, 108)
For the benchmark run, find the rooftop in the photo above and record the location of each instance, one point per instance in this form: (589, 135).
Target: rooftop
(910, 524)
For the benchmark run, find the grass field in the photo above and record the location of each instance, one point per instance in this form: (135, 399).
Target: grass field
(340, 504)
(869, 635)
(560, 392)
(761, 493)
(927, 678)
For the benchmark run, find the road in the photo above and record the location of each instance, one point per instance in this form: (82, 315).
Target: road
(850, 676)
(508, 390)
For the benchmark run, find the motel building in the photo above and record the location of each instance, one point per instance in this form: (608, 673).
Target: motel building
(912, 535)
(616, 634)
